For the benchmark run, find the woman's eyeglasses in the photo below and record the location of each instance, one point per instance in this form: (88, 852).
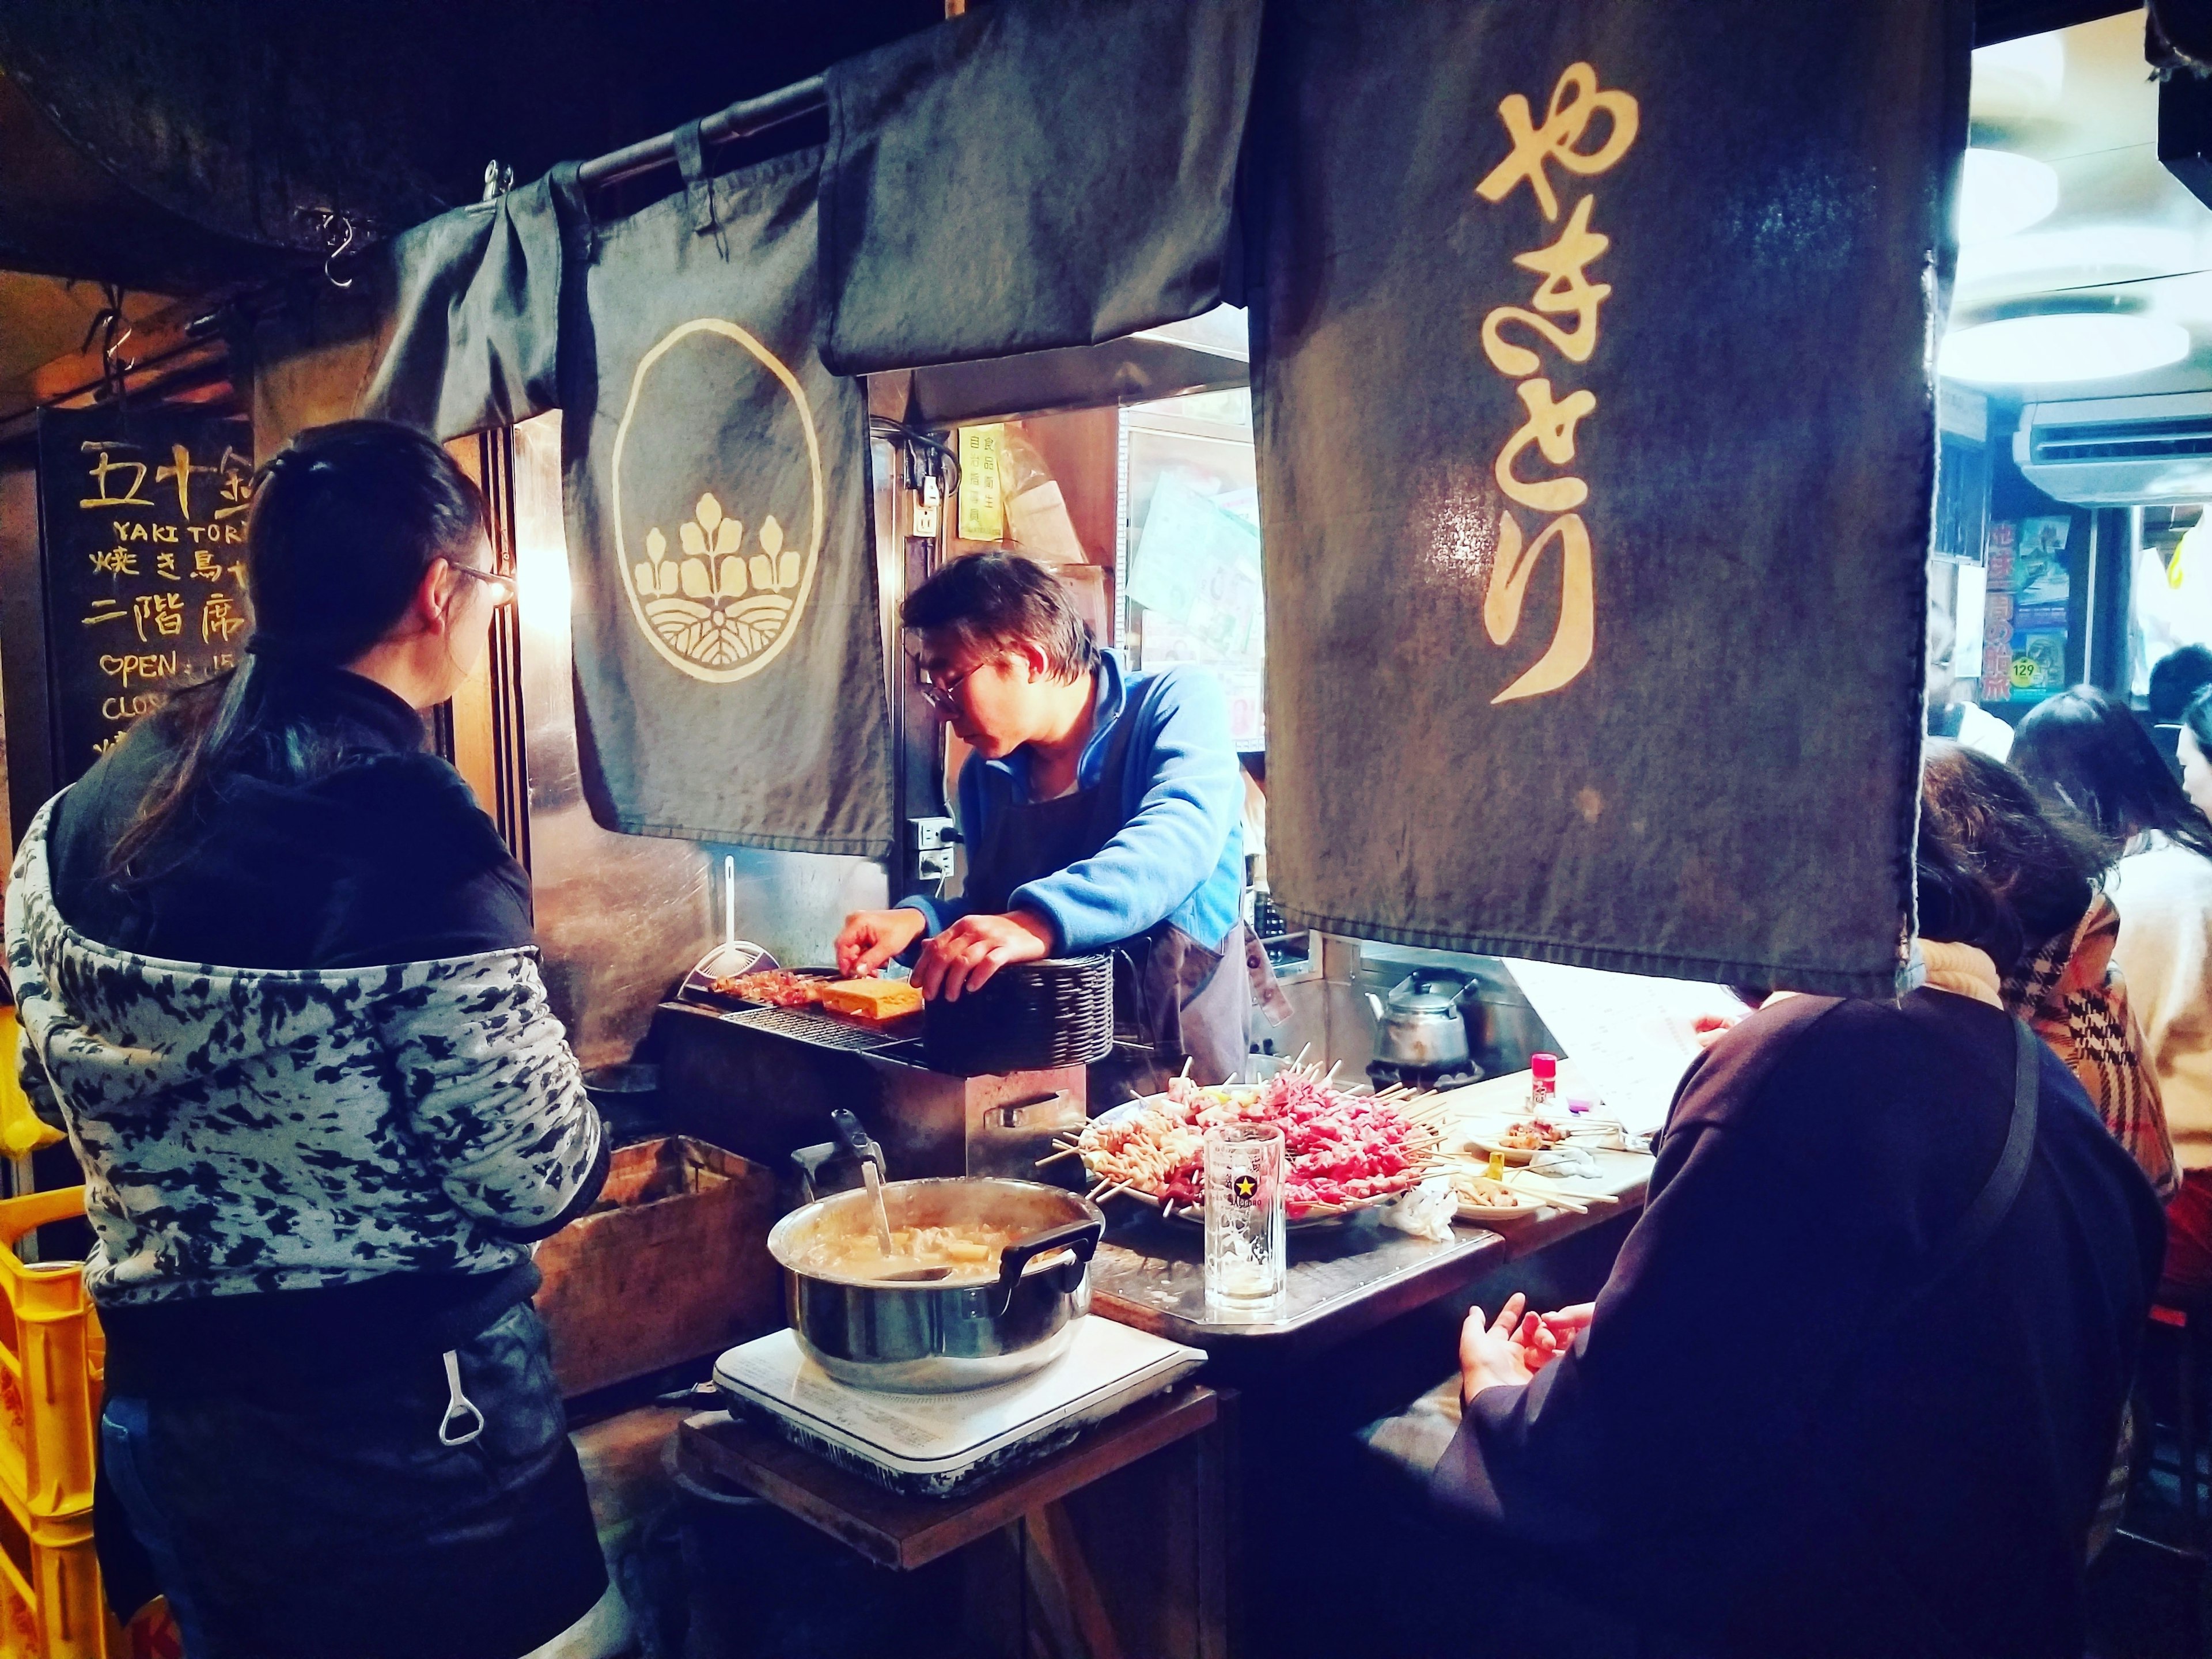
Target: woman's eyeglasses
(503, 587)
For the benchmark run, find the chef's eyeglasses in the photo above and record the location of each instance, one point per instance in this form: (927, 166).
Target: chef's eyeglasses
(503, 587)
(939, 692)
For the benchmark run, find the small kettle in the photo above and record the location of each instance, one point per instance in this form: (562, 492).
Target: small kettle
(1421, 1025)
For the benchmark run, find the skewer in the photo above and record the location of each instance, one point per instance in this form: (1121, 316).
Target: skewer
(1184, 1075)
(1055, 1157)
(1114, 1191)
(1301, 1058)
(1330, 1080)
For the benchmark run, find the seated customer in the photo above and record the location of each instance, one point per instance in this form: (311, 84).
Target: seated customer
(2087, 749)
(2176, 681)
(1853, 1385)
(2057, 974)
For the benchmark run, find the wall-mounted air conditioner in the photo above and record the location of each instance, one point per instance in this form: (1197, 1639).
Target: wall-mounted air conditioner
(2120, 452)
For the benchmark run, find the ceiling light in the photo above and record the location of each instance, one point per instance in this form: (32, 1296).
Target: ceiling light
(2019, 80)
(2090, 256)
(2061, 346)
(2003, 193)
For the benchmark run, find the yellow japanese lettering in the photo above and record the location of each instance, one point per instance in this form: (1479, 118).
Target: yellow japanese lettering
(1575, 100)
(1573, 639)
(1566, 290)
(1550, 428)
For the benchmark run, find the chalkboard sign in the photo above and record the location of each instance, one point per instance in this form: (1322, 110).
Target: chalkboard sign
(142, 527)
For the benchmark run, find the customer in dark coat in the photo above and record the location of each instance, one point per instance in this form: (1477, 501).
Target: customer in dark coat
(1741, 1446)
(276, 976)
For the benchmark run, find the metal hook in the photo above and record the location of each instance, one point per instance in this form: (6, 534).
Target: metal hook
(497, 181)
(337, 252)
(113, 330)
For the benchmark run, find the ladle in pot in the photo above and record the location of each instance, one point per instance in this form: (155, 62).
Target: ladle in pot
(862, 1148)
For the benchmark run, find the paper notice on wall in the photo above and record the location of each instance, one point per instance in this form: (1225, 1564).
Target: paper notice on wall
(982, 503)
(1629, 1036)
(1198, 563)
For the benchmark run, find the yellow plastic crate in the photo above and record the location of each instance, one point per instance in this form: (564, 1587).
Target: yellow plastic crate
(51, 1356)
(51, 1605)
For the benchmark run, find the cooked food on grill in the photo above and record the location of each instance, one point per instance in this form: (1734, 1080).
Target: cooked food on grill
(877, 1000)
(777, 987)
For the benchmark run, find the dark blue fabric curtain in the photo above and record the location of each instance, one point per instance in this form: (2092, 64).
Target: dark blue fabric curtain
(1592, 356)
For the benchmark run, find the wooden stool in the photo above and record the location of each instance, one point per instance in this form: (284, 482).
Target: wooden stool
(904, 1533)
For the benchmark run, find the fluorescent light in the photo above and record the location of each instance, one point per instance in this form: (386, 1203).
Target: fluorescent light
(2002, 194)
(2019, 80)
(2061, 346)
(2081, 257)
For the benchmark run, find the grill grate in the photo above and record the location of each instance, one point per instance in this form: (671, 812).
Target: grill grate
(804, 1025)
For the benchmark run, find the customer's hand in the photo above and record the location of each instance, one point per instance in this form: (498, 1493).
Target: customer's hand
(965, 955)
(1568, 1323)
(873, 938)
(1488, 1358)
(1539, 1339)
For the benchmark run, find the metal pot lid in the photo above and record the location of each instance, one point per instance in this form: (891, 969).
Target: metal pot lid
(1408, 999)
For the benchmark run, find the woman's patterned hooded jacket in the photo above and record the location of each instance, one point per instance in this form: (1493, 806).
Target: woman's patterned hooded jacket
(248, 1130)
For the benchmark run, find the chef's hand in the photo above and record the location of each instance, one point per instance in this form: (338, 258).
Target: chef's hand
(965, 955)
(1488, 1355)
(873, 938)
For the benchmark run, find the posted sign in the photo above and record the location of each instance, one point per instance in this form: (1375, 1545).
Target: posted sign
(142, 527)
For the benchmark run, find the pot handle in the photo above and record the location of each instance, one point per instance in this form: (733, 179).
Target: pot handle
(1080, 1237)
(857, 1139)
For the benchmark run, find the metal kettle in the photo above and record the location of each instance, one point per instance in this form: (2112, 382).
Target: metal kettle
(1420, 1026)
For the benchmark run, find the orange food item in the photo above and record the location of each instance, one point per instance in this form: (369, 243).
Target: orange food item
(877, 1000)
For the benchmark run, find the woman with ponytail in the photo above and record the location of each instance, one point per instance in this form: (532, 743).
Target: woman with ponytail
(276, 980)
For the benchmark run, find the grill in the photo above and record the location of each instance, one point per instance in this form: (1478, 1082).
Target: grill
(823, 1030)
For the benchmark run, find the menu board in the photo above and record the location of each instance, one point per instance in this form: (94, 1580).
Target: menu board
(142, 528)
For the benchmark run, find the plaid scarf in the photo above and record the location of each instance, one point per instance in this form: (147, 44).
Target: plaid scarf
(2073, 997)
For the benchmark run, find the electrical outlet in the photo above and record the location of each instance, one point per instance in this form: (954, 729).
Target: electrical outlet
(929, 835)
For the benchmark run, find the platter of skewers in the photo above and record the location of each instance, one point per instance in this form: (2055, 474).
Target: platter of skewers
(1344, 1153)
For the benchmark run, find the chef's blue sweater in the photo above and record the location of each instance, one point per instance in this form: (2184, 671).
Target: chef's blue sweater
(1179, 854)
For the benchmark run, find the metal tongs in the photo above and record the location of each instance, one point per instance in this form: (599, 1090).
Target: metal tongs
(870, 1157)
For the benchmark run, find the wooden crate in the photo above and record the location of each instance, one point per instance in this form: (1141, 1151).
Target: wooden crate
(672, 1264)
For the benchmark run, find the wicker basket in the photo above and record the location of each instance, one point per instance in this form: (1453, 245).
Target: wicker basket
(1031, 1017)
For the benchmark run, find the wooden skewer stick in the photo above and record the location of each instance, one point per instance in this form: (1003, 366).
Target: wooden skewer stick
(1055, 1157)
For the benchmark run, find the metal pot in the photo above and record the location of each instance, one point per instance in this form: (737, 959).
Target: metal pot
(1421, 1026)
(921, 1338)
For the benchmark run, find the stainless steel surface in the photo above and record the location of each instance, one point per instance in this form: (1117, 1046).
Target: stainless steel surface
(1207, 354)
(619, 917)
(1420, 1024)
(921, 1338)
(762, 1095)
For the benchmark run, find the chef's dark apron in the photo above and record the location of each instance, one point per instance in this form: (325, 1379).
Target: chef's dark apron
(1171, 1002)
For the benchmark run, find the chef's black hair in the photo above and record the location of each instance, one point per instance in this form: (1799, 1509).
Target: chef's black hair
(991, 600)
(345, 521)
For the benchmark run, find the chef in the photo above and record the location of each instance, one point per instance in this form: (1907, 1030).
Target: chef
(1101, 811)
